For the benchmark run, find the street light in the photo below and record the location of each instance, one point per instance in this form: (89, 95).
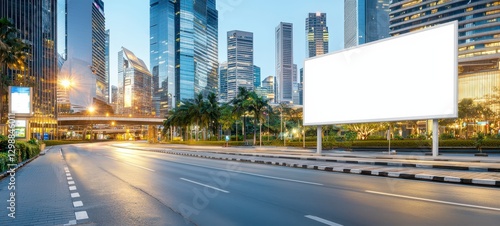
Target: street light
(91, 110)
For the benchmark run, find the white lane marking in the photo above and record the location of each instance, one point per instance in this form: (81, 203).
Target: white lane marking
(452, 179)
(424, 176)
(132, 164)
(252, 174)
(77, 203)
(71, 182)
(69, 178)
(81, 215)
(72, 188)
(435, 201)
(75, 195)
(208, 186)
(68, 174)
(65, 168)
(71, 222)
(319, 219)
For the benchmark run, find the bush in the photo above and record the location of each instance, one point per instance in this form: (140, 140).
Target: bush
(24, 151)
(375, 137)
(446, 136)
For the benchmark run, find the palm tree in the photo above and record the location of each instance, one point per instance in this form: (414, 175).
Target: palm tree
(257, 106)
(240, 107)
(13, 55)
(213, 112)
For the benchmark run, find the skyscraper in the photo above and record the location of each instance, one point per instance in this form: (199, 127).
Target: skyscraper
(36, 22)
(223, 82)
(184, 50)
(316, 34)
(85, 63)
(365, 21)
(239, 62)
(284, 62)
(478, 39)
(256, 76)
(134, 85)
(106, 60)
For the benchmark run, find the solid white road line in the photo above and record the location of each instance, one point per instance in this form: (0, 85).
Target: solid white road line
(75, 195)
(132, 164)
(77, 203)
(208, 186)
(435, 201)
(319, 219)
(81, 215)
(252, 174)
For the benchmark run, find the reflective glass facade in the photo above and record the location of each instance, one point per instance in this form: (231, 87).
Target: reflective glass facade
(256, 76)
(223, 82)
(317, 34)
(478, 38)
(36, 21)
(284, 62)
(365, 21)
(239, 62)
(183, 45)
(478, 23)
(135, 85)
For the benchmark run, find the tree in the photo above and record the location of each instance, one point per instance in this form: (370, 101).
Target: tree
(240, 107)
(257, 106)
(363, 130)
(469, 112)
(213, 111)
(13, 56)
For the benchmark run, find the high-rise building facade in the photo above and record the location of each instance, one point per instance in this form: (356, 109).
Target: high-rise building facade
(256, 76)
(223, 82)
(316, 34)
(365, 21)
(184, 50)
(36, 22)
(106, 61)
(239, 62)
(478, 38)
(284, 62)
(268, 87)
(85, 64)
(301, 86)
(134, 85)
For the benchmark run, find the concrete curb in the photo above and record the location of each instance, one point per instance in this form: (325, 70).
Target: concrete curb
(398, 164)
(425, 177)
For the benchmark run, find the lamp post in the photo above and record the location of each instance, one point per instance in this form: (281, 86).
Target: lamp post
(91, 110)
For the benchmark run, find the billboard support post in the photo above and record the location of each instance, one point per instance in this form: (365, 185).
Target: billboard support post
(435, 138)
(319, 143)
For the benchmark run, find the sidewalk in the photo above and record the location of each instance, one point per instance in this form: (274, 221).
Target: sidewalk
(450, 168)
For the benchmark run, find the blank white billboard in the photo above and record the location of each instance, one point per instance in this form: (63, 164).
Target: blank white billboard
(407, 77)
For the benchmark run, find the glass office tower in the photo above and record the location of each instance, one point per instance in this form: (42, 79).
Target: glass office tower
(317, 34)
(239, 62)
(478, 38)
(184, 50)
(134, 85)
(365, 21)
(284, 63)
(36, 21)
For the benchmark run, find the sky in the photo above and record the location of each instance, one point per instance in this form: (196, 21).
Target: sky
(129, 27)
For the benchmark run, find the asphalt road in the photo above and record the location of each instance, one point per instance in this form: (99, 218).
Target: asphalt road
(119, 186)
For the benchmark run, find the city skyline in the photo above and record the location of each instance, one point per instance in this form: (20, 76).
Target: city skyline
(233, 15)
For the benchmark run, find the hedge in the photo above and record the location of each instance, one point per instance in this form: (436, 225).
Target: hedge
(24, 151)
(489, 143)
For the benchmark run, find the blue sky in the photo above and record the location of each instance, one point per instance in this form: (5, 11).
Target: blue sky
(129, 27)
